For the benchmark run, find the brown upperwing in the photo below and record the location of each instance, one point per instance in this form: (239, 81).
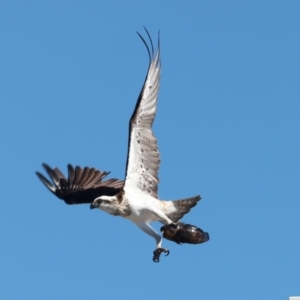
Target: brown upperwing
(83, 185)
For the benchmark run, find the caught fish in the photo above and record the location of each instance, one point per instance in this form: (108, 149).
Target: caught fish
(184, 233)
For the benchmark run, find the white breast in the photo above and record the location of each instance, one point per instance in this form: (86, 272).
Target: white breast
(142, 206)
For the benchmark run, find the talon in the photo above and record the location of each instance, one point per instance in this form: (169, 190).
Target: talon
(158, 252)
(170, 227)
(155, 258)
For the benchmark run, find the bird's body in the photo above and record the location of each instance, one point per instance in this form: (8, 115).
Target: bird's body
(145, 208)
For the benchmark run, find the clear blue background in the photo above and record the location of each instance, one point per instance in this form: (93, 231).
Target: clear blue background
(228, 127)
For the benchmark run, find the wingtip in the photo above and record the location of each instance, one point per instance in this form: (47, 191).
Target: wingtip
(38, 174)
(46, 182)
(158, 38)
(70, 166)
(46, 166)
(152, 52)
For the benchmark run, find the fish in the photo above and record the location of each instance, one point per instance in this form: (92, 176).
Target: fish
(184, 233)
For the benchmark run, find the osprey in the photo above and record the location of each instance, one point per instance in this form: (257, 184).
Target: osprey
(138, 200)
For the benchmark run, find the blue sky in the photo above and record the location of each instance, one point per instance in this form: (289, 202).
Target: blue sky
(228, 125)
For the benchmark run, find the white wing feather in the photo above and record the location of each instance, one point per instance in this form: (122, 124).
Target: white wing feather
(143, 156)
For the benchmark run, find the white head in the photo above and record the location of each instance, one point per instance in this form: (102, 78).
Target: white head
(108, 204)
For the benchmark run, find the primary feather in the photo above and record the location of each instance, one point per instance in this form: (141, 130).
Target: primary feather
(83, 185)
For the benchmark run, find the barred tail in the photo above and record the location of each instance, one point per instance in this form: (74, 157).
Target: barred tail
(182, 207)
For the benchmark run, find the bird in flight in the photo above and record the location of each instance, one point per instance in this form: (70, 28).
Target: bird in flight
(135, 199)
(138, 199)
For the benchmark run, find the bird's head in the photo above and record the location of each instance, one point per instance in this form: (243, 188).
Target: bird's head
(108, 204)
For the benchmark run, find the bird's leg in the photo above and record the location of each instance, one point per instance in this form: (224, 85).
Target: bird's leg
(168, 223)
(149, 230)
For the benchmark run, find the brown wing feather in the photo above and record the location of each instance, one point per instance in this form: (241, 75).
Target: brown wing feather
(183, 207)
(81, 186)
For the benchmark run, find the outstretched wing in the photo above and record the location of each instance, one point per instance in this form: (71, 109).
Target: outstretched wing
(81, 186)
(143, 157)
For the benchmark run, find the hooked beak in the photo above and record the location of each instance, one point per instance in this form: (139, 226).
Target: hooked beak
(92, 206)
